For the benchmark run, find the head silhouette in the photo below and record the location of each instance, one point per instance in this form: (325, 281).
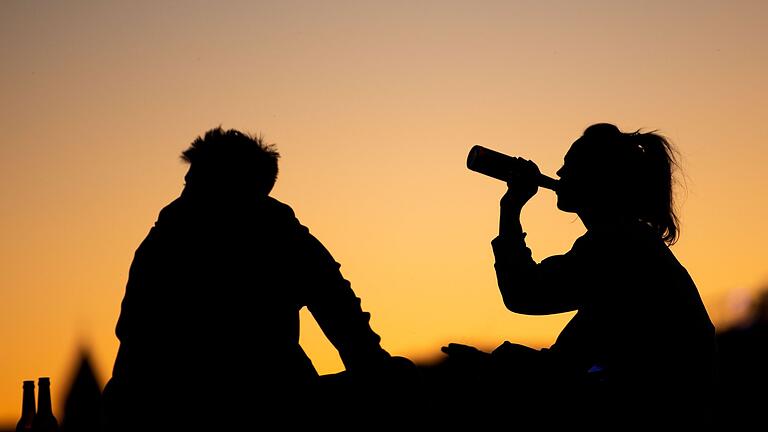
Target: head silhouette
(611, 175)
(229, 161)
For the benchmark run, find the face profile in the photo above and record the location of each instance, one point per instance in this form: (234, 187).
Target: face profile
(565, 192)
(575, 179)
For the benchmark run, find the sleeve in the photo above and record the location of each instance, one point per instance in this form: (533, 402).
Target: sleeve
(335, 307)
(557, 284)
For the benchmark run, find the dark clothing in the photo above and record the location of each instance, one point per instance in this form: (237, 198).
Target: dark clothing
(210, 319)
(640, 325)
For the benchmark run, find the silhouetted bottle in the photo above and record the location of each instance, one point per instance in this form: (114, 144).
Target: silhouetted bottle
(27, 408)
(499, 166)
(44, 419)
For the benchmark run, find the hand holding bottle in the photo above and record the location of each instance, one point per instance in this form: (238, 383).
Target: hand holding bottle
(522, 184)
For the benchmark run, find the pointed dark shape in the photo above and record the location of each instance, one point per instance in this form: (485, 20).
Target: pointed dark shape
(82, 408)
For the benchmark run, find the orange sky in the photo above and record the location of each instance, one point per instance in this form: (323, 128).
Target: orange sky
(373, 106)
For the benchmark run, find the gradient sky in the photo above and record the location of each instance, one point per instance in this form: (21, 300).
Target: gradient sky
(373, 106)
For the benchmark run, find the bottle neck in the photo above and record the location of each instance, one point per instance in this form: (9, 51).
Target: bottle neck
(28, 402)
(44, 399)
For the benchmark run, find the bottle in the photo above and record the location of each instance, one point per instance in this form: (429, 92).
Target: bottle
(44, 419)
(27, 408)
(498, 165)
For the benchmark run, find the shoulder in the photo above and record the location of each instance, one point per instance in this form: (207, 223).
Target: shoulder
(587, 243)
(277, 208)
(281, 219)
(174, 209)
(624, 236)
(278, 215)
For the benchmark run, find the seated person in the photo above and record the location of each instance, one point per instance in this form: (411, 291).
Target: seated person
(209, 326)
(641, 325)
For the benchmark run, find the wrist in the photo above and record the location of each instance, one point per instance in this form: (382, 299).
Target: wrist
(510, 227)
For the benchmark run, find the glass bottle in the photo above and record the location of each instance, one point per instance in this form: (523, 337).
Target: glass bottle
(27, 408)
(44, 419)
(500, 166)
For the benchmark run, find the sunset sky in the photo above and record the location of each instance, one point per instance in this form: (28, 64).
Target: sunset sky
(373, 106)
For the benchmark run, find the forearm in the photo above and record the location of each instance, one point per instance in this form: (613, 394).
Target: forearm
(347, 327)
(509, 222)
(338, 312)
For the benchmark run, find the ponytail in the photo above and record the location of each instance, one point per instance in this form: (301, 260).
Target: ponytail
(658, 163)
(643, 166)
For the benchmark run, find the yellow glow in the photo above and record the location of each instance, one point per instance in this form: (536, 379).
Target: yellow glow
(373, 107)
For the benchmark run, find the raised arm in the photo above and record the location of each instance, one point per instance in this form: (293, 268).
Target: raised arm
(552, 286)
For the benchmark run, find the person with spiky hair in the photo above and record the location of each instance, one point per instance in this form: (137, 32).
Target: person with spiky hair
(209, 325)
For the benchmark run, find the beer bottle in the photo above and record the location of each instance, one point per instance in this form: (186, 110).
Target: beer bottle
(44, 419)
(500, 166)
(27, 408)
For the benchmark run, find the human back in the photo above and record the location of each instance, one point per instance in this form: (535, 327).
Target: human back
(211, 310)
(222, 281)
(652, 321)
(641, 322)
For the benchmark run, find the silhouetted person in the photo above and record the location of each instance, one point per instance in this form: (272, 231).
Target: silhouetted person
(642, 338)
(209, 326)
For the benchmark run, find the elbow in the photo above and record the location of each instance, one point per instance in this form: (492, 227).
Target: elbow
(525, 308)
(511, 305)
(517, 306)
(515, 302)
(514, 288)
(521, 299)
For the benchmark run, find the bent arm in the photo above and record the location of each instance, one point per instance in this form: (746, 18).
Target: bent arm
(550, 287)
(553, 286)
